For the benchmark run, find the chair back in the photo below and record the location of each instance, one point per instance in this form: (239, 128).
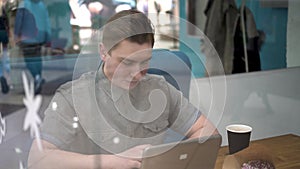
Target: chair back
(175, 66)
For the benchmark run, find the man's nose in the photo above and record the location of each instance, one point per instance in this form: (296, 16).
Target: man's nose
(137, 72)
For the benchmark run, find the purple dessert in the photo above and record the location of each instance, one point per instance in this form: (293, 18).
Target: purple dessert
(258, 164)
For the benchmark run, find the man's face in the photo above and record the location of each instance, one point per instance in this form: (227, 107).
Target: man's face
(127, 63)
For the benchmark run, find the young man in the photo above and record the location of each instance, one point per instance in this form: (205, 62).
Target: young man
(118, 110)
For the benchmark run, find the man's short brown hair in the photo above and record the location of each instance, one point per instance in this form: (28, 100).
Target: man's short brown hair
(131, 25)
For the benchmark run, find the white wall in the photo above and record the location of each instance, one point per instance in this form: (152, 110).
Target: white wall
(269, 101)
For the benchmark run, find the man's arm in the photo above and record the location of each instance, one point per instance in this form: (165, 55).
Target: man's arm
(202, 127)
(52, 157)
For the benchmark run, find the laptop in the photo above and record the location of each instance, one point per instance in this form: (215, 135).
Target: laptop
(198, 153)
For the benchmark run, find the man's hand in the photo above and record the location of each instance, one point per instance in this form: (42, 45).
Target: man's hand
(116, 162)
(128, 159)
(134, 153)
(202, 127)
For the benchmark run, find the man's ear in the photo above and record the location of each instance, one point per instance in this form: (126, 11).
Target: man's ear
(103, 52)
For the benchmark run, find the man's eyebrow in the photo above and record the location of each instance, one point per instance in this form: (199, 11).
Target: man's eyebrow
(147, 59)
(130, 60)
(126, 59)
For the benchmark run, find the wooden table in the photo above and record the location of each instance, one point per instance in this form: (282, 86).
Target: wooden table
(286, 150)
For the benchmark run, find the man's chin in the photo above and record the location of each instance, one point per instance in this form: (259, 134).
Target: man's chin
(133, 84)
(128, 85)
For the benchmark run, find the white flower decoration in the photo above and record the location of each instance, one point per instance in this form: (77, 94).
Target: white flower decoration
(21, 165)
(2, 128)
(33, 104)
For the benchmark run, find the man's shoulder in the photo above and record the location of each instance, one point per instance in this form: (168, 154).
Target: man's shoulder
(153, 78)
(154, 81)
(81, 83)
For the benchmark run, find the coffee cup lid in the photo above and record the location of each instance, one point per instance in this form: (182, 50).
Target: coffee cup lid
(239, 128)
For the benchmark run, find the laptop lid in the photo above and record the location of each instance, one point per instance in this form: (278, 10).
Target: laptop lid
(195, 153)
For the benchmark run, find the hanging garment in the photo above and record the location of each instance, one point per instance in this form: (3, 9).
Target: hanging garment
(222, 17)
(252, 45)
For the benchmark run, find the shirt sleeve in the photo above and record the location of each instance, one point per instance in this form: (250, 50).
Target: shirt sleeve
(57, 127)
(182, 113)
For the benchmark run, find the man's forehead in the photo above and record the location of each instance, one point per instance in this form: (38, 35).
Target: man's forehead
(142, 54)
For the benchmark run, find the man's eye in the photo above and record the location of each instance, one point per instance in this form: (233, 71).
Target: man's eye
(145, 63)
(127, 63)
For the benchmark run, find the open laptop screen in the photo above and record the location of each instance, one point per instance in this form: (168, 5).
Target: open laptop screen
(195, 153)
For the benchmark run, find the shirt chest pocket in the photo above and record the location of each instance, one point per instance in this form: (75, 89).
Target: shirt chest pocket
(154, 128)
(109, 140)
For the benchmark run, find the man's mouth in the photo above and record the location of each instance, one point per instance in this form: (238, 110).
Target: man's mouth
(133, 83)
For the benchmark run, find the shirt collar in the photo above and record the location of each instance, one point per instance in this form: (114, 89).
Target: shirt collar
(104, 83)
